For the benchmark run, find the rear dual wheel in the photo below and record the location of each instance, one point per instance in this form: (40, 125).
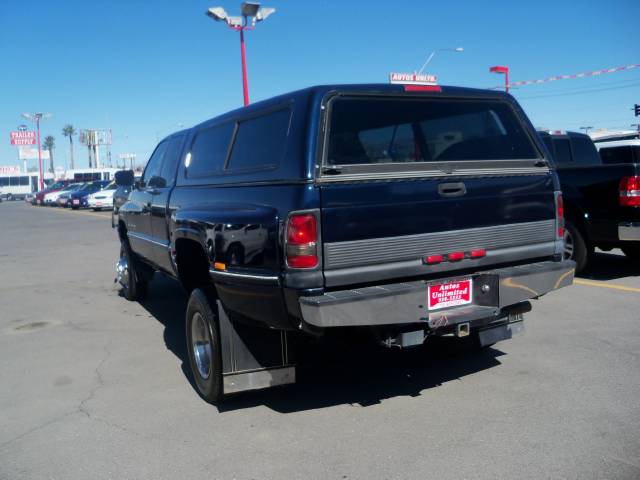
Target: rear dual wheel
(203, 344)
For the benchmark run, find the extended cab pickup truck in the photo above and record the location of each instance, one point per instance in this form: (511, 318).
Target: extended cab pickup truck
(601, 197)
(402, 211)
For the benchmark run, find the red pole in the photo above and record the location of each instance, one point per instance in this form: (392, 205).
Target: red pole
(506, 80)
(39, 154)
(245, 83)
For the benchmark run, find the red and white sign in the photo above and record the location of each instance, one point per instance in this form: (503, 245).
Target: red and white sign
(412, 78)
(452, 294)
(23, 138)
(9, 170)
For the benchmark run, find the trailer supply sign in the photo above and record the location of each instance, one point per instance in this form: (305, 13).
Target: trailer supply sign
(23, 138)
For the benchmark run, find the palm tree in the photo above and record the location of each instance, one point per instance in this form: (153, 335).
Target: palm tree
(50, 144)
(69, 131)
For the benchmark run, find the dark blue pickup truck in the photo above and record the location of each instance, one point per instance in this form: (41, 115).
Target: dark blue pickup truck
(405, 211)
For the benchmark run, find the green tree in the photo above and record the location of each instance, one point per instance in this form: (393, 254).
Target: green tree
(69, 131)
(49, 144)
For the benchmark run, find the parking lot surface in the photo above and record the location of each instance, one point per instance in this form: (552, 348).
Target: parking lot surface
(93, 386)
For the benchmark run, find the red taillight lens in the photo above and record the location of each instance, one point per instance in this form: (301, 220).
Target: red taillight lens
(302, 237)
(478, 253)
(455, 256)
(433, 259)
(630, 191)
(559, 215)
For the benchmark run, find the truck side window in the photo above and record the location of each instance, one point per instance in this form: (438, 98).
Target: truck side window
(171, 158)
(260, 142)
(151, 176)
(209, 150)
(562, 151)
(617, 155)
(584, 151)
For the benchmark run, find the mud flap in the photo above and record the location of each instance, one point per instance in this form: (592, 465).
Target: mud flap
(253, 358)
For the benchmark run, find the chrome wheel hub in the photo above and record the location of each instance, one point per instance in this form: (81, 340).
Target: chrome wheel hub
(201, 345)
(122, 271)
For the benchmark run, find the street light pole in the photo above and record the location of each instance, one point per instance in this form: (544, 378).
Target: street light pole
(586, 129)
(36, 117)
(245, 80)
(249, 10)
(432, 54)
(504, 70)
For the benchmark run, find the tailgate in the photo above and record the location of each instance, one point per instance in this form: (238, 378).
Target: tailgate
(405, 179)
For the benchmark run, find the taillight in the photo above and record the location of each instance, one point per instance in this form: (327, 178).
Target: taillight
(559, 215)
(455, 256)
(302, 241)
(630, 191)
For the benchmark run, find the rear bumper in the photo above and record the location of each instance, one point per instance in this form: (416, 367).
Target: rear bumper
(404, 303)
(629, 232)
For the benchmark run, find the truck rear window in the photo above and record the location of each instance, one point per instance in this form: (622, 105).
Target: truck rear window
(404, 130)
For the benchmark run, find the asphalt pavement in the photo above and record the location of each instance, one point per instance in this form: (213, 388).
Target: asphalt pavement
(93, 386)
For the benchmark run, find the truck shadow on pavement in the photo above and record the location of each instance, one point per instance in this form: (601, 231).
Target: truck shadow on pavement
(337, 371)
(609, 266)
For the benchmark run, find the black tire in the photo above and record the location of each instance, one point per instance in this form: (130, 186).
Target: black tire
(632, 252)
(203, 345)
(133, 281)
(576, 247)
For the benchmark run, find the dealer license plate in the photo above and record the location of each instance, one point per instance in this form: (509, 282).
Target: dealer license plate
(450, 294)
(76, 202)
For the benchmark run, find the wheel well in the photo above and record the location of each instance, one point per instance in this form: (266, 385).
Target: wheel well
(122, 231)
(192, 264)
(575, 216)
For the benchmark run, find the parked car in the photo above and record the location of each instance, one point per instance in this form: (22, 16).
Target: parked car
(396, 211)
(54, 187)
(80, 198)
(51, 198)
(601, 200)
(102, 199)
(64, 196)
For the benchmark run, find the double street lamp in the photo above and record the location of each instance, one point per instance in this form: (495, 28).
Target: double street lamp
(251, 13)
(430, 57)
(36, 117)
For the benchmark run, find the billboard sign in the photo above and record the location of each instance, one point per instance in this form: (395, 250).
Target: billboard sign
(412, 78)
(23, 138)
(26, 153)
(95, 137)
(9, 170)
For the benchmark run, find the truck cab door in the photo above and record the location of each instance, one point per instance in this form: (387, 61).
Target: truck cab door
(138, 208)
(163, 186)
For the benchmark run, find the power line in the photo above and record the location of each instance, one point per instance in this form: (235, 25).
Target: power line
(580, 92)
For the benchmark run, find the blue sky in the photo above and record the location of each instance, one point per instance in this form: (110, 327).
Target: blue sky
(144, 68)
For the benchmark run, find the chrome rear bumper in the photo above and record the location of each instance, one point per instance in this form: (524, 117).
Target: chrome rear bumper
(404, 303)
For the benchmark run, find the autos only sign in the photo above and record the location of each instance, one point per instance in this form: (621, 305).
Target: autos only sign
(413, 78)
(23, 138)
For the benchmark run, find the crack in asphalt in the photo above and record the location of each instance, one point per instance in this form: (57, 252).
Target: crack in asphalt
(82, 408)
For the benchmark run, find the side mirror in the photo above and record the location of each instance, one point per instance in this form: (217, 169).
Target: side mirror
(124, 178)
